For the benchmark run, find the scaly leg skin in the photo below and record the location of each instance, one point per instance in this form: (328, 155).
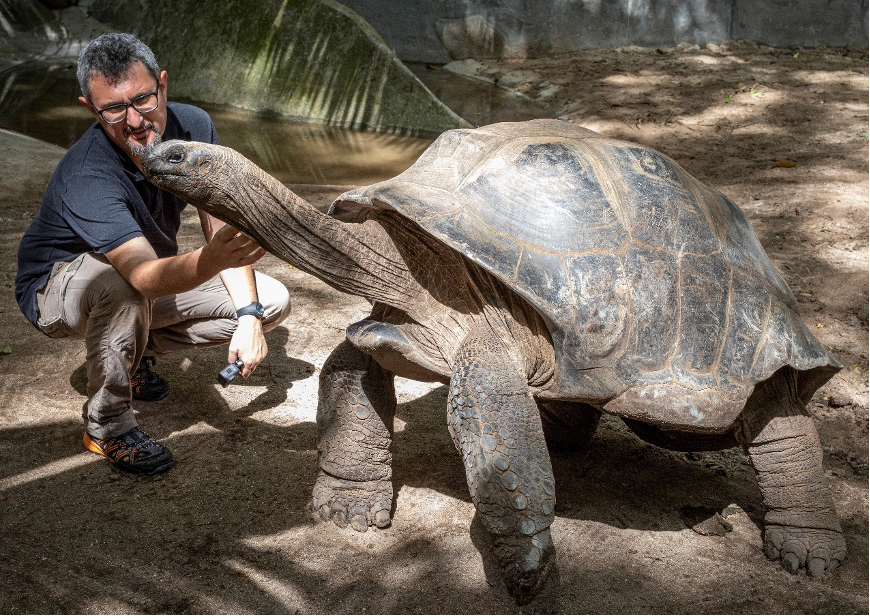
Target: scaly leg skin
(355, 409)
(801, 524)
(495, 425)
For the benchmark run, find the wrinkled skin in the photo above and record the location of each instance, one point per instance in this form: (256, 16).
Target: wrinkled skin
(439, 317)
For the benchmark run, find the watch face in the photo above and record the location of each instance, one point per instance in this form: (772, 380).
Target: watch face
(255, 309)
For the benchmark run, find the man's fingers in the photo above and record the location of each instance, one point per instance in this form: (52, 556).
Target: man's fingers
(233, 238)
(225, 233)
(244, 244)
(252, 257)
(238, 250)
(249, 368)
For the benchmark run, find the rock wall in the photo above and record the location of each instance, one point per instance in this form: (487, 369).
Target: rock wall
(309, 59)
(443, 30)
(312, 60)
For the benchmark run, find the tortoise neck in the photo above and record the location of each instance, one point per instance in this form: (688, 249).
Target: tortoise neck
(359, 259)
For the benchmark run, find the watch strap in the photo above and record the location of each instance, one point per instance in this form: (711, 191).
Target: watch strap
(255, 309)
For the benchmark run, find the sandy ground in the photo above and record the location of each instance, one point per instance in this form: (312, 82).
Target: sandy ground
(783, 132)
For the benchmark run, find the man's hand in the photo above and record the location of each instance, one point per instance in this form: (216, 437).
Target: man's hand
(229, 248)
(248, 344)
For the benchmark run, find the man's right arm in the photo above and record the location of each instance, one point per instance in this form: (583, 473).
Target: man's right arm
(154, 277)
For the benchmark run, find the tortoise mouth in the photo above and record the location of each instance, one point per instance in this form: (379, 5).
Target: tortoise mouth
(165, 179)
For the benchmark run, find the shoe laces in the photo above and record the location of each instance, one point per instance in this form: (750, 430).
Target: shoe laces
(138, 441)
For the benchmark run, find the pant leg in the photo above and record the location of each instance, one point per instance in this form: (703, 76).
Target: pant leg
(88, 299)
(206, 317)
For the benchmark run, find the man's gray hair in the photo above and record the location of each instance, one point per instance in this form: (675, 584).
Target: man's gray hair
(112, 56)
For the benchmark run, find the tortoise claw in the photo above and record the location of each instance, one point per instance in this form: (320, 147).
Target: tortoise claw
(359, 503)
(812, 549)
(526, 562)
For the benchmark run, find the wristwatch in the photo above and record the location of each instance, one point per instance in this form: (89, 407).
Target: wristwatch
(255, 309)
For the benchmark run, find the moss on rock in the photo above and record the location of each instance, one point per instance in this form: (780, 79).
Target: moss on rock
(313, 60)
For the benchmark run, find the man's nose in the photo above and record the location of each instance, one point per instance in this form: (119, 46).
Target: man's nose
(134, 118)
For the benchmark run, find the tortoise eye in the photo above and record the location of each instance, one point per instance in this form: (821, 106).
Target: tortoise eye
(176, 157)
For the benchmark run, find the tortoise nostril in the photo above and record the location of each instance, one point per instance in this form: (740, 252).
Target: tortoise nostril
(176, 157)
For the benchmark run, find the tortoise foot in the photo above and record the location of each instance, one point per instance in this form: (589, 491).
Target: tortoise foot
(526, 562)
(358, 503)
(813, 549)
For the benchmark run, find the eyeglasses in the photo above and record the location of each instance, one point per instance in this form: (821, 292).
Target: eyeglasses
(117, 113)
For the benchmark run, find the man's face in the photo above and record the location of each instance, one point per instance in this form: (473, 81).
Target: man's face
(137, 130)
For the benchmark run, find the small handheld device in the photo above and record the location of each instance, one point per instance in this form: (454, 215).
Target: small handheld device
(226, 376)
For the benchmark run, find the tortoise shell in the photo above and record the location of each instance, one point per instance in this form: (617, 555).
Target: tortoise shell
(661, 302)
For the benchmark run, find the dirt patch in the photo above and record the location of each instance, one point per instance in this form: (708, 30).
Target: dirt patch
(227, 530)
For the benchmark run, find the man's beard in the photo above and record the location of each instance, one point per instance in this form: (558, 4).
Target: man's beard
(142, 150)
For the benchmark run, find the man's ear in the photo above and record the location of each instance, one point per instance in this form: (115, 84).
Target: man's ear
(89, 107)
(163, 82)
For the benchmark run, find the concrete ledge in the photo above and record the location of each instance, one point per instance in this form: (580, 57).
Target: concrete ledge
(424, 31)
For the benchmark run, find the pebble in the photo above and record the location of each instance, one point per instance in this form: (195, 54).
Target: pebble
(839, 401)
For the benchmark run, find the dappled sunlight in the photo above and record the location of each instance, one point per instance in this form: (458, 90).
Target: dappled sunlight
(289, 595)
(50, 469)
(312, 61)
(641, 82)
(843, 78)
(842, 257)
(706, 59)
(331, 74)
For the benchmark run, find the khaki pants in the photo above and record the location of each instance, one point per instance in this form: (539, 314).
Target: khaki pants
(88, 299)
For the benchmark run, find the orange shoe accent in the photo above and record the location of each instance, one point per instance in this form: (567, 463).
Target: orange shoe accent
(91, 445)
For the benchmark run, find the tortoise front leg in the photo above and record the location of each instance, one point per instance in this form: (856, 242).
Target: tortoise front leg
(355, 409)
(495, 425)
(801, 524)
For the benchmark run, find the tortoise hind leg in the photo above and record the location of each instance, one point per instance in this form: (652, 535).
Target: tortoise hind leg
(496, 426)
(568, 426)
(801, 525)
(355, 409)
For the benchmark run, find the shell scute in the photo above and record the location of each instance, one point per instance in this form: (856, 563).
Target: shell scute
(536, 187)
(452, 158)
(747, 324)
(653, 282)
(600, 298)
(658, 206)
(704, 292)
(546, 275)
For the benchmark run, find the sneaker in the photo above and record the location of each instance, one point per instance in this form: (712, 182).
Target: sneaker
(146, 385)
(134, 452)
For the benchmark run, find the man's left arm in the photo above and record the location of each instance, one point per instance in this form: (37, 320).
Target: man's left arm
(248, 342)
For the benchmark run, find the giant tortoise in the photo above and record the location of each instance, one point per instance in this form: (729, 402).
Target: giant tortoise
(545, 274)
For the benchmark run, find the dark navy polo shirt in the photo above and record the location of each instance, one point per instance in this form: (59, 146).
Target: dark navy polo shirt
(97, 200)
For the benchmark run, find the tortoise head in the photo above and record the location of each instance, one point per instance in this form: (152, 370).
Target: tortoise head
(210, 177)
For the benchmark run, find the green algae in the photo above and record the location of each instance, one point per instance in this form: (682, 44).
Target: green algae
(312, 60)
